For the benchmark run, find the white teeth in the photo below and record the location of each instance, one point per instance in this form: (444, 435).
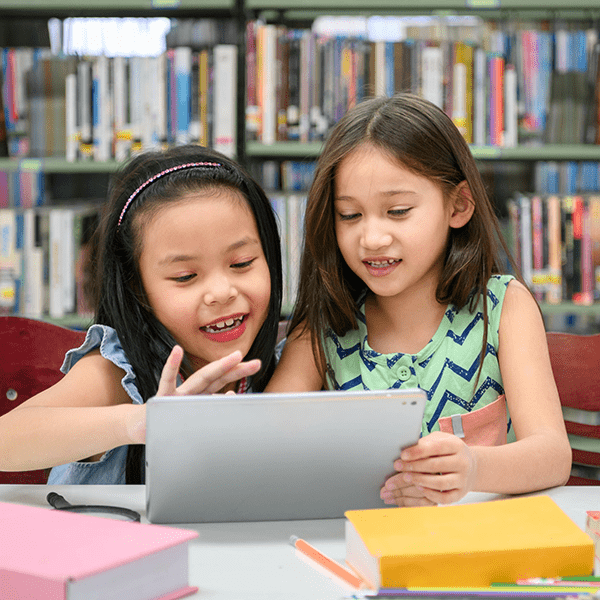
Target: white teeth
(223, 325)
(381, 263)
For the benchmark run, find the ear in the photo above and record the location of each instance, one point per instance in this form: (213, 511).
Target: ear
(462, 206)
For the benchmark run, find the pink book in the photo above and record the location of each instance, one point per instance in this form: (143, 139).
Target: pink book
(48, 554)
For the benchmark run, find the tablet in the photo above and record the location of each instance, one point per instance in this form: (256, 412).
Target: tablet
(262, 457)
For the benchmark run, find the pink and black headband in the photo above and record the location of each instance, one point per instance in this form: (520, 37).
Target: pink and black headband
(158, 176)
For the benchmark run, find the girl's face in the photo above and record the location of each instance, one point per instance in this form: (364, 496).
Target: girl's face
(392, 226)
(205, 274)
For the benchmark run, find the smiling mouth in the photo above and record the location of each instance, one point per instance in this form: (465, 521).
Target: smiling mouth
(222, 326)
(381, 264)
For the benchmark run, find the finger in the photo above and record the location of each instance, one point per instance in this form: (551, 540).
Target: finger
(445, 497)
(167, 386)
(396, 482)
(214, 376)
(436, 464)
(436, 443)
(439, 481)
(409, 496)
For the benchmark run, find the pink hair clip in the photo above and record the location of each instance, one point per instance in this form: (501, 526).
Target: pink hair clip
(158, 176)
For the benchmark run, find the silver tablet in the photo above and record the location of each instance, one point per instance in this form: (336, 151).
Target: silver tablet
(261, 457)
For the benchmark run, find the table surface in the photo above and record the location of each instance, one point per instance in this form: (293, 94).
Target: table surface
(254, 561)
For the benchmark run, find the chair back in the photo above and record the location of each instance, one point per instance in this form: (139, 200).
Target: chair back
(575, 362)
(31, 354)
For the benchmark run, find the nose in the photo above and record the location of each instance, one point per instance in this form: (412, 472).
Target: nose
(374, 234)
(219, 290)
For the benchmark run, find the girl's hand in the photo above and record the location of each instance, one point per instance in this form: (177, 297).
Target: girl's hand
(207, 380)
(440, 466)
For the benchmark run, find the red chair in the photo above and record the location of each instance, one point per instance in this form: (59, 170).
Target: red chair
(31, 354)
(576, 366)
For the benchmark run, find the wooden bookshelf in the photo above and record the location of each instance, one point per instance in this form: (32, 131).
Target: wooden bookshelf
(487, 153)
(114, 8)
(305, 11)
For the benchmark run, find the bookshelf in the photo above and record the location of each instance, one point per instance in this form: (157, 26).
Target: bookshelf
(300, 14)
(45, 182)
(523, 159)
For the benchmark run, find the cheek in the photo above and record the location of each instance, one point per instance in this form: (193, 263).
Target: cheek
(345, 240)
(259, 291)
(169, 307)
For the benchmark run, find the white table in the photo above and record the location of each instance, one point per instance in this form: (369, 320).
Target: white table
(254, 561)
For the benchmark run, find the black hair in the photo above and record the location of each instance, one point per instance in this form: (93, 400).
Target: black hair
(119, 297)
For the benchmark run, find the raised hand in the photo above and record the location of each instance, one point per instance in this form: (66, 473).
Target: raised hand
(207, 380)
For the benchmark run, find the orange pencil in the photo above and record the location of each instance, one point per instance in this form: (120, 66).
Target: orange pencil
(327, 563)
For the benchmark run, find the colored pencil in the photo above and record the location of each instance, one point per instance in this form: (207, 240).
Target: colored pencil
(327, 563)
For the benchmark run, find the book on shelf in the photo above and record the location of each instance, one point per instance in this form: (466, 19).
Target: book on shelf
(107, 108)
(466, 545)
(58, 554)
(508, 98)
(182, 66)
(102, 118)
(555, 240)
(49, 247)
(225, 99)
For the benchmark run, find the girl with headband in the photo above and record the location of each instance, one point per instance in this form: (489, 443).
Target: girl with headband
(188, 286)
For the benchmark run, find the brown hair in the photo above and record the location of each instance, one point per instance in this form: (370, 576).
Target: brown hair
(424, 140)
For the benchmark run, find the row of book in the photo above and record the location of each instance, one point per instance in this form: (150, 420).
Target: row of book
(45, 252)
(500, 87)
(555, 241)
(567, 177)
(105, 108)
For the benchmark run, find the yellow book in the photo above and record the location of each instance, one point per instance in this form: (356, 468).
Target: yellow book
(466, 545)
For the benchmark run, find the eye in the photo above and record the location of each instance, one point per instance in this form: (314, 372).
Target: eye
(399, 212)
(184, 278)
(348, 217)
(243, 265)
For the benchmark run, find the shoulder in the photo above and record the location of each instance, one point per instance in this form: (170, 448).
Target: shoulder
(102, 358)
(102, 338)
(93, 381)
(520, 311)
(296, 369)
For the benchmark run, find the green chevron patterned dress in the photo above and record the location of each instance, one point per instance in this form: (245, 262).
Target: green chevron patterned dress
(446, 368)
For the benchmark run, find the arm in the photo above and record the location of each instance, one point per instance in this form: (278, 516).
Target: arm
(84, 414)
(296, 370)
(88, 412)
(446, 469)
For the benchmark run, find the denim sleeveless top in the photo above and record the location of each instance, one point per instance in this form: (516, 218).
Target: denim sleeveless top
(446, 369)
(110, 469)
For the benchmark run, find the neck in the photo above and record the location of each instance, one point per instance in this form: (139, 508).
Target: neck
(403, 323)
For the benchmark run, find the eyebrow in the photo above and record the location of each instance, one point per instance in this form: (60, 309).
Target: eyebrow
(175, 258)
(388, 194)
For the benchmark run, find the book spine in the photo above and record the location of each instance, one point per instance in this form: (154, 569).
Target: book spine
(203, 97)
(225, 89)
(432, 75)
(56, 265)
(510, 138)
(183, 82)
(538, 271)
(252, 108)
